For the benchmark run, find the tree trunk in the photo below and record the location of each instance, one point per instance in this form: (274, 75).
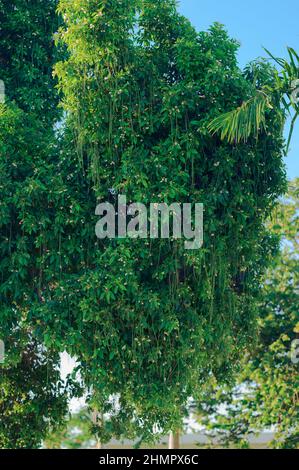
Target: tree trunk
(94, 420)
(174, 440)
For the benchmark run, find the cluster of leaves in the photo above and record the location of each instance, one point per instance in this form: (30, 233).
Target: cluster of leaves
(266, 393)
(249, 118)
(149, 322)
(32, 397)
(33, 198)
(27, 54)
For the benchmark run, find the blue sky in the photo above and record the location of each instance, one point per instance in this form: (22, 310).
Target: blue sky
(255, 24)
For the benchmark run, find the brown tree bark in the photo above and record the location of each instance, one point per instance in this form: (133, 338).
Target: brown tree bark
(174, 440)
(95, 415)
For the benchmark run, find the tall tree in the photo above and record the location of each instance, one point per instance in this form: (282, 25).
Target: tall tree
(32, 398)
(149, 321)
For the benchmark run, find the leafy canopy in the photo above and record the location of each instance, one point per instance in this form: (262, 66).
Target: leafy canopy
(148, 321)
(265, 396)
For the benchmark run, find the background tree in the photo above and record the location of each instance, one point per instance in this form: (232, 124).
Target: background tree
(266, 393)
(32, 397)
(75, 434)
(149, 322)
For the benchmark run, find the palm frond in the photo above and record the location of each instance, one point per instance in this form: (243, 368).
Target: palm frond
(248, 120)
(295, 117)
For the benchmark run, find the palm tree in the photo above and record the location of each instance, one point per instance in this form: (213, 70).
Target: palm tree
(250, 118)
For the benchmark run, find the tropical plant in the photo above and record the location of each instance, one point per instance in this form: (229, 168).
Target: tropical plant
(281, 92)
(148, 321)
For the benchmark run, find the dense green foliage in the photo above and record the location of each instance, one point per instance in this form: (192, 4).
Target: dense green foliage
(27, 54)
(266, 394)
(32, 398)
(148, 321)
